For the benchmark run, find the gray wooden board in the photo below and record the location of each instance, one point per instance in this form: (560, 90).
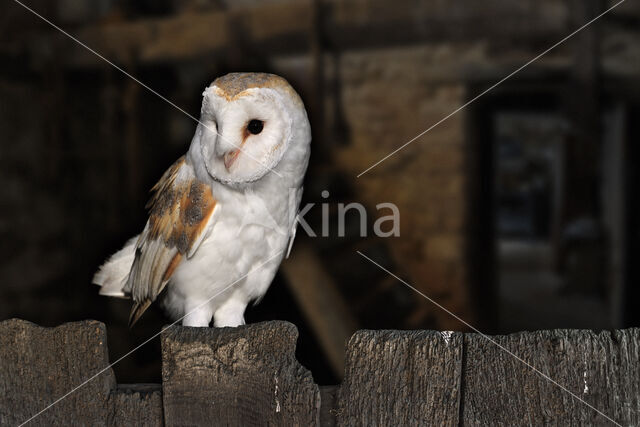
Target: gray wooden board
(249, 376)
(136, 405)
(39, 365)
(236, 376)
(401, 378)
(602, 369)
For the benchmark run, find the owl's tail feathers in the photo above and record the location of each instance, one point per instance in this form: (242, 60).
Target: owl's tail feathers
(137, 311)
(112, 275)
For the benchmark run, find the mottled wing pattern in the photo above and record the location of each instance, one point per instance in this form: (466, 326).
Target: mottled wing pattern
(180, 212)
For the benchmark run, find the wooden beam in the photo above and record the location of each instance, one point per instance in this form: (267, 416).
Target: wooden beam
(285, 28)
(317, 295)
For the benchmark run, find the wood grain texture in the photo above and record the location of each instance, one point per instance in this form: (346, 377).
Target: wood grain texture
(136, 405)
(236, 376)
(602, 369)
(401, 378)
(39, 365)
(249, 376)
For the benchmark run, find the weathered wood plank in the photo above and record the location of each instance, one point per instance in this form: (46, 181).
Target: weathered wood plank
(236, 376)
(602, 369)
(249, 376)
(136, 405)
(39, 365)
(401, 378)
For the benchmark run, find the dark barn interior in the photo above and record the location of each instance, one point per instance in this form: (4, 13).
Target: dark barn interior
(518, 212)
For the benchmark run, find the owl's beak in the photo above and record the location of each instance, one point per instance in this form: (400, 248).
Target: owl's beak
(230, 157)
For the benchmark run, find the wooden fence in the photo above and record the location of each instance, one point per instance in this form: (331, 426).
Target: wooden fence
(249, 376)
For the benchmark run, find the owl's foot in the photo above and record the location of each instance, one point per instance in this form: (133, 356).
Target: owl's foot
(197, 316)
(231, 313)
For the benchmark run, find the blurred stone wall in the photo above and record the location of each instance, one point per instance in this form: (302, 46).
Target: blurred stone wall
(390, 96)
(71, 193)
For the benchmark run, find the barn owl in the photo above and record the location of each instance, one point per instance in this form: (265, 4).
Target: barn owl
(223, 216)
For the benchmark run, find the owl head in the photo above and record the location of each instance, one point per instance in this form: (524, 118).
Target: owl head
(251, 125)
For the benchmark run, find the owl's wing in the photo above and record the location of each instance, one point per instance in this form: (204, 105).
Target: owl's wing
(180, 215)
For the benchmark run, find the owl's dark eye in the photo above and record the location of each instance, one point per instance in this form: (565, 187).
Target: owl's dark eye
(255, 126)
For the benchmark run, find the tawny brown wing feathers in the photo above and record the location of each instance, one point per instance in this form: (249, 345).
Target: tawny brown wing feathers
(180, 212)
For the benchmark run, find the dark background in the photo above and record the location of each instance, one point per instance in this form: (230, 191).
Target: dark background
(517, 213)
